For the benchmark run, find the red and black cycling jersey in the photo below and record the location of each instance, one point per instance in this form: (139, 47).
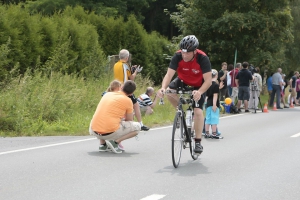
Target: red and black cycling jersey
(191, 73)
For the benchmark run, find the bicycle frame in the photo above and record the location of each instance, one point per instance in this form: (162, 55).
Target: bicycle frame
(187, 129)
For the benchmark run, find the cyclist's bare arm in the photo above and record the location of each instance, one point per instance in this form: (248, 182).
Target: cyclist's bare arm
(166, 81)
(207, 83)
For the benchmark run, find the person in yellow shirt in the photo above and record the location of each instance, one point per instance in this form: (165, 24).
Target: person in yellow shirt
(123, 72)
(112, 121)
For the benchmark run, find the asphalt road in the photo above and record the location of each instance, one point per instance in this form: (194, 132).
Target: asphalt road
(259, 158)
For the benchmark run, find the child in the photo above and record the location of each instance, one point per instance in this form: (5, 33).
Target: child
(212, 110)
(114, 86)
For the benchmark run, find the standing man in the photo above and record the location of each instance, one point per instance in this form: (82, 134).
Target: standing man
(276, 85)
(194, 69)
(223, 78)
(235, 89)
(145, 101)
(293, 88)
(123, 72)
(107, 124)
(242, 81)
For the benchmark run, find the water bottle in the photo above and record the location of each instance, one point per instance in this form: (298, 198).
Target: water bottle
(188, 118)
(161, 102)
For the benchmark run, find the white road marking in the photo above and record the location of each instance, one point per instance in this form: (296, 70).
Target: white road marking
(45, 146)
(296, 135)
(154, 197)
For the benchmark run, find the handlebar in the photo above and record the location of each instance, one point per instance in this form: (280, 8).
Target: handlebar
(178, 92)
(189, 100)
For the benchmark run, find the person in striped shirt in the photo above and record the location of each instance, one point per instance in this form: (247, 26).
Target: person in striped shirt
(145, 101)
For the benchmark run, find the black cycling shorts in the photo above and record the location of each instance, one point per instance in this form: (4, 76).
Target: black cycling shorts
(177, 83)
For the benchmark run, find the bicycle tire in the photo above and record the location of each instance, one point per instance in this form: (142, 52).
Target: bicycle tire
(192, 145)
(177, 139)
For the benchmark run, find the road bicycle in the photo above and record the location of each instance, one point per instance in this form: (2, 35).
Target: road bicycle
(183, 135)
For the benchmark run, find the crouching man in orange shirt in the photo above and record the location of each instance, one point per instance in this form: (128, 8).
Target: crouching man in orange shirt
(108, 123)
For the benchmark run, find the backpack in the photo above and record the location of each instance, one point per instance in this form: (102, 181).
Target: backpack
(234, 109)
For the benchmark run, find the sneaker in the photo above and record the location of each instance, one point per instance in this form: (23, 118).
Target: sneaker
(198, 148)
(239, 110)
(114, 146)
(144, 128)
(121, 147)
(103, 147)
(247, 111)
(207, 135)
(286, 107)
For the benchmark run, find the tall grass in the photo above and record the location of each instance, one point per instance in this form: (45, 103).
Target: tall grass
(40, 105)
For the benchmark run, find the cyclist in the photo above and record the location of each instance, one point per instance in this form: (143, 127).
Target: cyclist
(194, 69)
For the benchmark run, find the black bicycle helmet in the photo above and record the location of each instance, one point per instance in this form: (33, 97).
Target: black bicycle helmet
(189, 43)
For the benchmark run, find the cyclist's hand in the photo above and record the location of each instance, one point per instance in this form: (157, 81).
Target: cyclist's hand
(196, 95)
(160, 93)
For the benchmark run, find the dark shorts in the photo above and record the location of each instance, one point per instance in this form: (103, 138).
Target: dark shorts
(177, 83)
(133, 99)
(244, 93)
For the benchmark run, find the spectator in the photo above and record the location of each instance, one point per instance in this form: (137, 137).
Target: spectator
(298, 89)
(293, 88)
(107, 124)
(230, 68)
(123, 72)
(276, 88)
(145, 102)
(234, 87)
(255, 89)
(243, 81)
(223, 78)
(269, 85)
(282, 90)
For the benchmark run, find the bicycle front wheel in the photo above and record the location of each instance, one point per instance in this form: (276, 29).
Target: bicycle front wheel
(192, 146)
(177, 139)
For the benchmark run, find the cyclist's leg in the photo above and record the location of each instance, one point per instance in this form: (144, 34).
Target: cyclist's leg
(173, 98)
(198, 118)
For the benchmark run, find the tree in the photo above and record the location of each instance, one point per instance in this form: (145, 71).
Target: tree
(259, 30)
(293, 49)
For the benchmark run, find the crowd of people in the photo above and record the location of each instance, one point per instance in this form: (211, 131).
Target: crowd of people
(113, 120)
(277, 84)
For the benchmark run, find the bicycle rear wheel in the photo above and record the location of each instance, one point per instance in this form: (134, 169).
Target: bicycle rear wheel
(192, 146)
(177, 139)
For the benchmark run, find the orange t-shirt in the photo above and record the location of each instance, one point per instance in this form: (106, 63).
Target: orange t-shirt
(110, 110)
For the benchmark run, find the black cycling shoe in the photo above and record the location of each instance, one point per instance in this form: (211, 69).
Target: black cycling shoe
(198, 148)
(144, 128)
